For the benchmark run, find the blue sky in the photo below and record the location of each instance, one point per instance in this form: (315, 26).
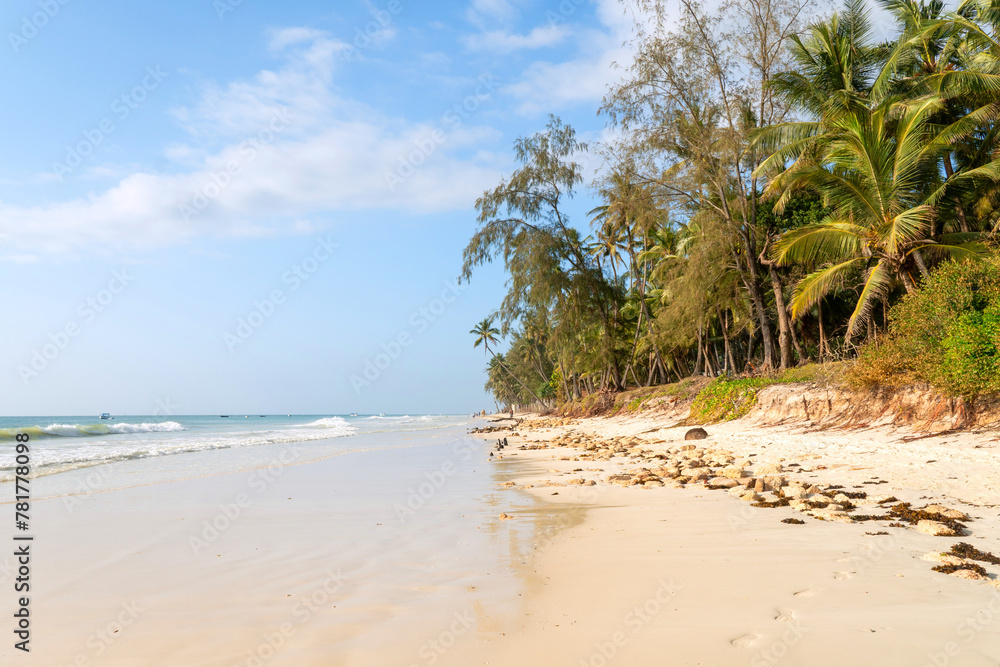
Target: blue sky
(169, 167)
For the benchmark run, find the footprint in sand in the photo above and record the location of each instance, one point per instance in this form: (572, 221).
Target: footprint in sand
(841, 576)
(784, 616)
(807, 593)
(744, 641)
(845, 559)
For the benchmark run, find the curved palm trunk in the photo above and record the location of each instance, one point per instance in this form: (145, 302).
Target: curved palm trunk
(784, 321)
(526, 387)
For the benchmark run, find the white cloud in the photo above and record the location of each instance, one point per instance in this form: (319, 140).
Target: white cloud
(549, 86)
(483, 12)
(266, 154)
(502, 41)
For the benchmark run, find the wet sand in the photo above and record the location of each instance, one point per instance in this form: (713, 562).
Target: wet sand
(403, 558)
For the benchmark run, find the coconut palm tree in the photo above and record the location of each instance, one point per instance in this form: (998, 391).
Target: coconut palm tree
(487, 334)
(878, 171)
(878, 149)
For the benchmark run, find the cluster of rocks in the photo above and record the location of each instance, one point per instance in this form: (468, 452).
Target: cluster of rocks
(536, 423)
(764, 485)
(491, 429)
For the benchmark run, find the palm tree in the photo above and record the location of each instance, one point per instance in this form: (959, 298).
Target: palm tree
(486, 334)
(878, 171)
(879, 152)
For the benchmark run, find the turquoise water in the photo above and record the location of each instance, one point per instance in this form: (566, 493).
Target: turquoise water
(64, 443)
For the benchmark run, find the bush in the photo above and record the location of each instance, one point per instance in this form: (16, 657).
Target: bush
(725, 399)
(947, 334)
(970, 353)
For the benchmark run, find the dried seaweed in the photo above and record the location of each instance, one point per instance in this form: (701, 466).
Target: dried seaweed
(906, 513)
(948, 569)
(780, 502)
(966, 550)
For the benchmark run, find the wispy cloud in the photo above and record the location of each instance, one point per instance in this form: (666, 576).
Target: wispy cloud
(264, 154)
(481, 13)
(549, 86)
(502, 41)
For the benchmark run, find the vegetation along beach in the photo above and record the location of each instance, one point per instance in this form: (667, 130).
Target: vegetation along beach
(486, 332)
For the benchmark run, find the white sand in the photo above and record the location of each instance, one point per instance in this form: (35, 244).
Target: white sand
(696, 577)
(596, 575)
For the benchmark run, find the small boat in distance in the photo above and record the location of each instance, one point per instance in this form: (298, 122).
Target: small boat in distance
(223, 415)
(106, 415)
(353, 414)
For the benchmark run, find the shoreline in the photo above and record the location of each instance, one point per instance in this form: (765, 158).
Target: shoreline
(536, 557)
(729, 582)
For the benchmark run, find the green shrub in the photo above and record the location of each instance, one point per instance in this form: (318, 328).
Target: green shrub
(947, 334)
(823, 374)
(970, 353)
(725, 399)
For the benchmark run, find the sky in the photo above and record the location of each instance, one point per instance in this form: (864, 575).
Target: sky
(214, 206)
(238, 206)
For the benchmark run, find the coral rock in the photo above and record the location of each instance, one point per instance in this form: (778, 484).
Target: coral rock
(935, 528)
(722, 483)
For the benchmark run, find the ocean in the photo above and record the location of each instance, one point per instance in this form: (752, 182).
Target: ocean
(363, 537)
(65, 443)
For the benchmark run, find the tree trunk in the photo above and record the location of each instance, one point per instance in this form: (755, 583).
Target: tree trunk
(824, 348)
(918, 257)
(767, 338)
(963, 224)
(526, 387)
(730, 362)
(697, 361)
(784, 321)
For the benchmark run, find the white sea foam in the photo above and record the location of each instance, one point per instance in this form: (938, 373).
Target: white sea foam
(90, 430)
(331, 422)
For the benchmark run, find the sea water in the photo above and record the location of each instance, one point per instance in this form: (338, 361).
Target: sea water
(254, 513)
(63, 443)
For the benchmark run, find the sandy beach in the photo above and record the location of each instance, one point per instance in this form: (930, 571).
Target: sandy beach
(708, 579)
(529, 557)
